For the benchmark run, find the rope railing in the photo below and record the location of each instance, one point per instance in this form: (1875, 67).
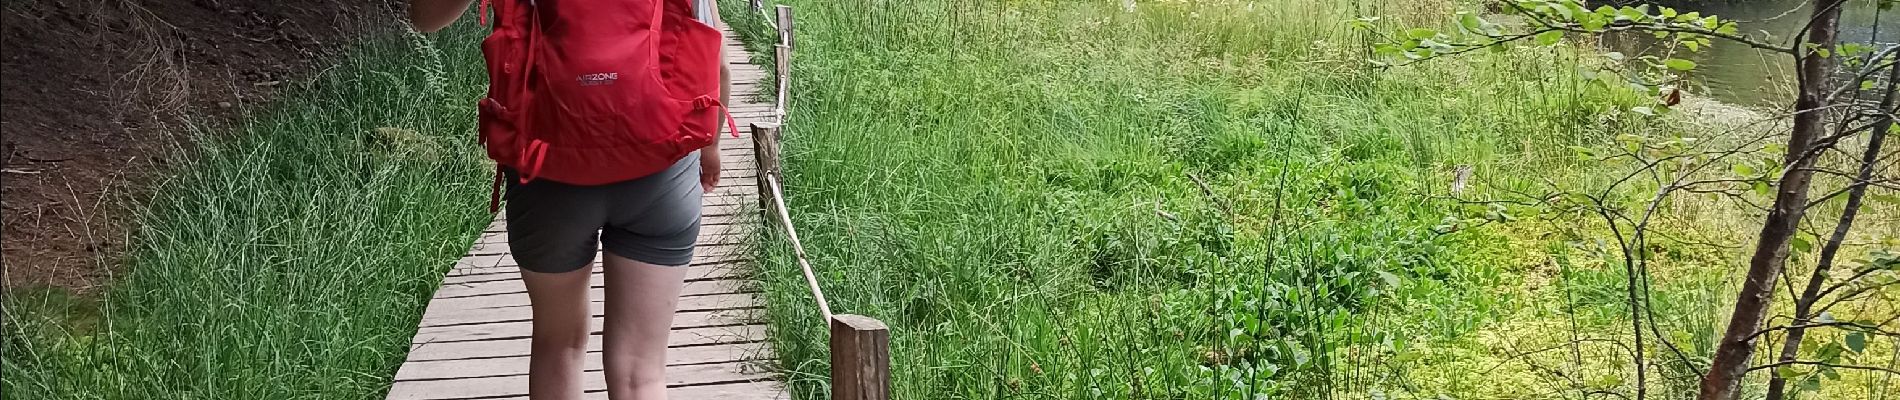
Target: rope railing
(798, 249)
(860, 345)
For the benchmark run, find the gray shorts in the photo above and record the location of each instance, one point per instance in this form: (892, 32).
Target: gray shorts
(555, 227)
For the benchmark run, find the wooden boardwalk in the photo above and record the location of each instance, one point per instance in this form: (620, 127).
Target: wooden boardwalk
(473, 340)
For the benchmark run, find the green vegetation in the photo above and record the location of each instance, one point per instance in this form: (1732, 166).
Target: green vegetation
(1016, 187)
(288, 258)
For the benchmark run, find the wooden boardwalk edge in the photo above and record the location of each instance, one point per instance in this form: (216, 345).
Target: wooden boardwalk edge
(472, 341)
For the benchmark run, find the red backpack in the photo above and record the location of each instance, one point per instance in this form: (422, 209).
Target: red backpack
(590, 92)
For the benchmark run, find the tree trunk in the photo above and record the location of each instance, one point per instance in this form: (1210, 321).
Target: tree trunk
(1804, 305)
(1791, 198)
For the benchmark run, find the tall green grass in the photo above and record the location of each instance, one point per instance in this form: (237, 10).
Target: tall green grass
(289, 257)
(1012, 186)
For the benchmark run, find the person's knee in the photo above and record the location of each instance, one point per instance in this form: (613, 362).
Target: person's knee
(637, 380)
(563, 340)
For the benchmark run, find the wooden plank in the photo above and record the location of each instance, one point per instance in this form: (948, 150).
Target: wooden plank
(503, 366)
(676, 376)
(428, 351)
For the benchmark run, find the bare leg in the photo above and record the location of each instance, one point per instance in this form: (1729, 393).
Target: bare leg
(641, 298)
(559, 302)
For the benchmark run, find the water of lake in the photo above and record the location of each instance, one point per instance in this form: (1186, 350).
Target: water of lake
(1739, 75)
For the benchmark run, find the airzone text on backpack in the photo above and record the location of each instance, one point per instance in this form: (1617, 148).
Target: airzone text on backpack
(591, 92)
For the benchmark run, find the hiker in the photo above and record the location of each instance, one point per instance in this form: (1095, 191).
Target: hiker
(603, 118)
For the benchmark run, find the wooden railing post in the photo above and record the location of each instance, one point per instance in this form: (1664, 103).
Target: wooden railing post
(860, 358)
(765, 151)
(782, 67)
(785, 25)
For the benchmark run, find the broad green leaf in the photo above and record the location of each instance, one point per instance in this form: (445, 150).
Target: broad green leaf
(1421, 33)
(1800, 244)
(1788, 372)
(1471, 23)
(1386, 49)
(1830, 352)
(1390, 279)
(1632, 13)
(1743, 169)
(1817, 50)
(1857, 341)
(1679, 64)
(1594, 22)
(1668, 12)
(1549, 38)
(1690, 16)
(1692, 45)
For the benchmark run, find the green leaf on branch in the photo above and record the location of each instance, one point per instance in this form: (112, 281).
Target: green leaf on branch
(1691, 16)
(1788, 372)
(1857, 341)
(1818, 50)
(1421, 33)
(1679, 64)
(1471, 23)
(1549, 38)
(1594, 22)
(1633, 14)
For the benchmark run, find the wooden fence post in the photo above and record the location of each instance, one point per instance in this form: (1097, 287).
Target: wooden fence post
(785, 25)
(860, 358)
(765, 150)
(782, 67)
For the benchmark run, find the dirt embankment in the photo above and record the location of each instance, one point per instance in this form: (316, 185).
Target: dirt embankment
(98, 96)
